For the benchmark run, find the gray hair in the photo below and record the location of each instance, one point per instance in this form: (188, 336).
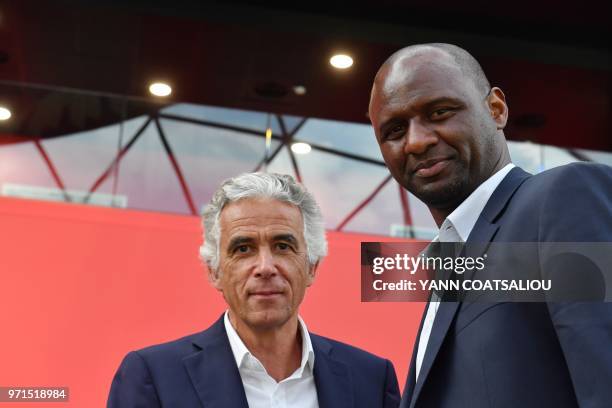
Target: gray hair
(280, 187)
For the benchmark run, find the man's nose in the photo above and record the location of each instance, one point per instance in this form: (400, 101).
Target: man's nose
(266, 266)
(419, 137)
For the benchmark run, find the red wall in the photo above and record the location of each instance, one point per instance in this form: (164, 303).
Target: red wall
(80, 286)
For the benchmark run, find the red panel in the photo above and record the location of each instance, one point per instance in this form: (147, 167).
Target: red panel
(81, 286)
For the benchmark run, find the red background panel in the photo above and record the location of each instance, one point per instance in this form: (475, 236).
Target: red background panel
(80, 286)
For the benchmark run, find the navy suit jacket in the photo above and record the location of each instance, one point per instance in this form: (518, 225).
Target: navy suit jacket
(526, 354)
(200, 371)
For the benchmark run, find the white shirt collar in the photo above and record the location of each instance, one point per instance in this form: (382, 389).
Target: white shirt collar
(242, 353)
(465, 216)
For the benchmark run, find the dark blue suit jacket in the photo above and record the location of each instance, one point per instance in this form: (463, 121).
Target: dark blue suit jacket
(523, 355)
(200, 371)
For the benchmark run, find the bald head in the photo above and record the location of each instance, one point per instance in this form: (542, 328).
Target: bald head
(435, 53)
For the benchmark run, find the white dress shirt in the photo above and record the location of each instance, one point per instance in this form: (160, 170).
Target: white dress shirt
(457, 228)
(262, 391)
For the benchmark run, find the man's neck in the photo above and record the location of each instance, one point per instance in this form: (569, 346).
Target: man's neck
(441, 213)
(279, 349)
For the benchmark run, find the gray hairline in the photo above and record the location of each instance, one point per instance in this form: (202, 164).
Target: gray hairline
(263, 185)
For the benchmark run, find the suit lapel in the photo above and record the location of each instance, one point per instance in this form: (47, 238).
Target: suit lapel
(486, 225)
(409, 388)
(479, 241)
(500, 198)
(332, 377)
(483, 232)
(213, 370)
(444, 317)
(411, 378)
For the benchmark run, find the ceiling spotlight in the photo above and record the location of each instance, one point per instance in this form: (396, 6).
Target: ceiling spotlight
(299, 90)
(5, 114)
(160, 89)
(341, 61)
(300, 148)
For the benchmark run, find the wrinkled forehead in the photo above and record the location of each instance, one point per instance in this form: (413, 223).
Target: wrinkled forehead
(259, 214)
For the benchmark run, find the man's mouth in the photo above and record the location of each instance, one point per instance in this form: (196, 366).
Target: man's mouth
(431, 167)
(266, 294)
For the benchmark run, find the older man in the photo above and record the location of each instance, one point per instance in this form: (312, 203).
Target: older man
(264, 239)
(439, 125)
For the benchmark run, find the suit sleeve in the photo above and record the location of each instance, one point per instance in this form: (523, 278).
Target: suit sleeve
(578, 208)
(392, 394)
(132, 385)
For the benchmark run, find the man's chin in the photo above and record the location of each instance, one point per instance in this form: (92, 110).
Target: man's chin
(268, 319)
(439, 194)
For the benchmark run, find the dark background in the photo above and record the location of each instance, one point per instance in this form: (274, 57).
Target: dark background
(552, 59)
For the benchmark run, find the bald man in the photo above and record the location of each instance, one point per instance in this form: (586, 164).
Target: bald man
(440, 127)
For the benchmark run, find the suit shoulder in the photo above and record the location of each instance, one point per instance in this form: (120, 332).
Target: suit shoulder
(570, 203)
(170, 345)
(574, 171)
(580, 182)
(348, 352)
(186, 344)
(173, 349)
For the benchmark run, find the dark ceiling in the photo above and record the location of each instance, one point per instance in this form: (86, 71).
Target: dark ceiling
(553, 61)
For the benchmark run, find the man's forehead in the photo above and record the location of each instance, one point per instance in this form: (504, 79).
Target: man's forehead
(260, 206)
(418, 77)
(260, 213)
(425, 69)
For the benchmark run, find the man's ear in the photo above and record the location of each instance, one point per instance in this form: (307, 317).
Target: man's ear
(496, 102)
(214, 278)
(312, 273)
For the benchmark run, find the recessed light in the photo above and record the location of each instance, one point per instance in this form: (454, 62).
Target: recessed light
(300, 148)
(341, 61)
(160, 89)
(5, 114)
(299, 90)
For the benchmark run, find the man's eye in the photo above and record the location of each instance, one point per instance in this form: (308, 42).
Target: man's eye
(242, 249)
(441, 113)
(282, 246)
(395, 132)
